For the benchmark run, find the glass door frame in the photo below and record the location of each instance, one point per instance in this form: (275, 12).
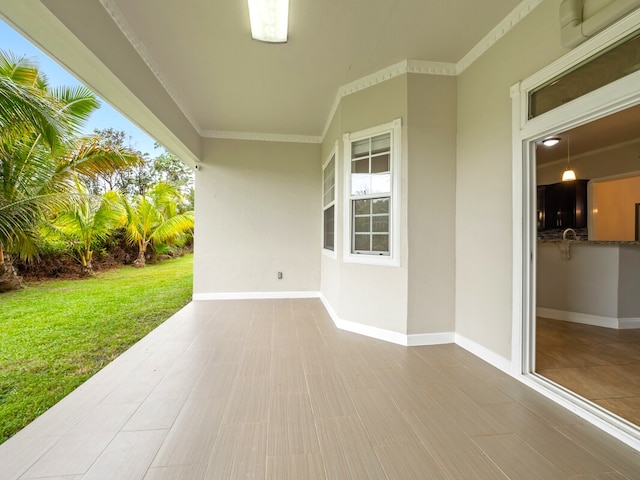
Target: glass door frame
(600, 103)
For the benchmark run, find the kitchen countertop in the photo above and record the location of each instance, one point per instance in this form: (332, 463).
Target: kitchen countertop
(581, 241)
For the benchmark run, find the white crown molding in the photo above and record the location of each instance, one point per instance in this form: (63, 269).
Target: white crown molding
(400, 68)
(522, 10)
(119, 19)
(431, 68)
(264, 137)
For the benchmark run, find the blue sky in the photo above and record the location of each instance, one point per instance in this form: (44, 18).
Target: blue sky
(105, 117)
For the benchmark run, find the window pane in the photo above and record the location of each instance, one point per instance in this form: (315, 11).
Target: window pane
(363, 224)
(329, 222)
(329, 182)
(371, 165)
(617, 61)
(381, 143)
(360, 148)
(380, 164)
(380, 205)
(380, 183)
(380, 243)
(380, 224)
(362, 243)
(360, 184)
(361, 207)
(329, 197)
(360, 166)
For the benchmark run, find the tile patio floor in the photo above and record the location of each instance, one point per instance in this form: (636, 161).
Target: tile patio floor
(270, 389)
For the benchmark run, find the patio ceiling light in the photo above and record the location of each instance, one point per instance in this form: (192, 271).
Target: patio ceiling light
(269, 20)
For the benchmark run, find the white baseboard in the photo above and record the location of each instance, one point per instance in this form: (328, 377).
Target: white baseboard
(625, 323)
(484, 353)
(387, 335)
(420, 339)
(253, 295)
(587, 319)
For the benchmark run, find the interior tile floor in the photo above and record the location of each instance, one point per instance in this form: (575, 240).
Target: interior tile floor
(270, 389)
(599, 364)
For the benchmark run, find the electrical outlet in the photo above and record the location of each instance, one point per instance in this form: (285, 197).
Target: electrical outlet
(279, 275)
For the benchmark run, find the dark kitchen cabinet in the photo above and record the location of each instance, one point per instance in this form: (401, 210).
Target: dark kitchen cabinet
(562, 205)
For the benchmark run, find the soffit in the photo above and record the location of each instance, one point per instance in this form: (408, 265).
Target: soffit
(203, 54)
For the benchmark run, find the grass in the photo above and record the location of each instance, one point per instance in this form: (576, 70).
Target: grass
(54, 335)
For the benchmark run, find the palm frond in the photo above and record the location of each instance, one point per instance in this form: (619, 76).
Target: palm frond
(76, 105)
(172, 227)
(90, 157)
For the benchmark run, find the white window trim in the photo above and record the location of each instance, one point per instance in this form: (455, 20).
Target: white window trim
(393, 259)
(336, 204)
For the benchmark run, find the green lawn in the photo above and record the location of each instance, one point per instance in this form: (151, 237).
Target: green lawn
(56, 334)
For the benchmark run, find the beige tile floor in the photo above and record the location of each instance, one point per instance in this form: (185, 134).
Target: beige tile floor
(271, 389)
(599, 364)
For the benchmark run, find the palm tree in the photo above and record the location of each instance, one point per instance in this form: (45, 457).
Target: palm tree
(153, 219)
(23, 107)
(39, 162)
(23, 110)
(88, 223)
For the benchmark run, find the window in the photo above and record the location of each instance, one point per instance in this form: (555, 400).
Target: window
(615, 62)
(329, 204)
(373, 184)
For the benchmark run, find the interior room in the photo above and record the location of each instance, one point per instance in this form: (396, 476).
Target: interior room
(588, 274)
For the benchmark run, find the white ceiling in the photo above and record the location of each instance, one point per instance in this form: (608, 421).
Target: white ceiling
(224, 81)
(616, 129)
(183, 70)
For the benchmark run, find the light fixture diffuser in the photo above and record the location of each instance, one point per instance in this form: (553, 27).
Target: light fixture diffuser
(269, 20)
(568, 176)
(551, 141)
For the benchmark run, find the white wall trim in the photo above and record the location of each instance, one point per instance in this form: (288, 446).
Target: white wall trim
(484, 353)
(392, 71)
(393, 259)
(387, 335)
(588, 319)
(630, 322)
(253, 295)
(510, 21)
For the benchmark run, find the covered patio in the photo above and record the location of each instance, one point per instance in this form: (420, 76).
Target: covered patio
(272, 389)
(253, 379)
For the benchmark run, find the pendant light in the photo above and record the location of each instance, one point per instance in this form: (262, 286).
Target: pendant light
(568, 175)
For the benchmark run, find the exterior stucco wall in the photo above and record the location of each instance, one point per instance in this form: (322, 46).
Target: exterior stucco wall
(431, 125)
(369, 295)
(257, 213)
(418, 296)
(484, 176)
